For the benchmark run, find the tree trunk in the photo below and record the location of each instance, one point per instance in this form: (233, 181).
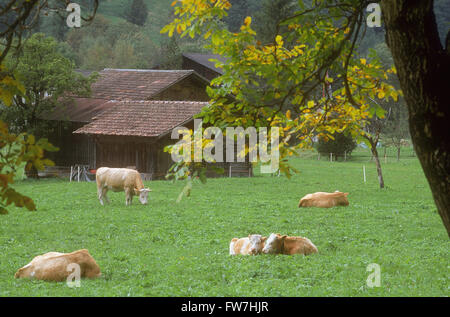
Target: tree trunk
(373, 149)
(423, 67)
(378, 165)
(398, 153)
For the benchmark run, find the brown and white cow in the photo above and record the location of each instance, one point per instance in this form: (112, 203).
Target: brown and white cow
(56, 266)
(121, 179)
(324, 200)
(250, 245)
(278, 244)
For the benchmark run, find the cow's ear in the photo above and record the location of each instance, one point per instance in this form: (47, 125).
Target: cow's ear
(283, 237)
(345, 194)
(263, 239)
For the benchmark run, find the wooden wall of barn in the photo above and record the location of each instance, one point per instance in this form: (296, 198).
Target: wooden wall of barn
(123, 151)
(73, 148)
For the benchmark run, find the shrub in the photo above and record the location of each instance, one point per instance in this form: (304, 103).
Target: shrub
(341, 144)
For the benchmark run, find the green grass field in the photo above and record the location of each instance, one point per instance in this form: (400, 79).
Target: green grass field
(170, 249)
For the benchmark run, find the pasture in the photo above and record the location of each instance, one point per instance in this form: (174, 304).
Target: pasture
(181, 249)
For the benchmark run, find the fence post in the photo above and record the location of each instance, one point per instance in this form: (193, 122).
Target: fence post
(364, 173)
(331, 157)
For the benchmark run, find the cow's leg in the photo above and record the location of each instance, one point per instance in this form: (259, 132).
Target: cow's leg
(128, 196)
(105, 191)
(100, 194)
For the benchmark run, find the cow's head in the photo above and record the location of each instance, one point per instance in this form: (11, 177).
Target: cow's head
(274, 243)
(304, 202)
(25, 271)
(256, 243)
(143, 195)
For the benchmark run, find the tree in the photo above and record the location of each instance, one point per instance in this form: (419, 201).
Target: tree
(47, 77)
(411, 35)
(19, 151)
(395, 132)
(276, 84)
(423, 66)
(137, 13)
(340, 144)
(270, 14)
(16, 17)
(239, 9)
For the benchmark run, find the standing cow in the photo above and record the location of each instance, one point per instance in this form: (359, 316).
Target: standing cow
(121, 179)
(278, 244)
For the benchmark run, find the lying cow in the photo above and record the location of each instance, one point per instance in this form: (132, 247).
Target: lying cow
(250, 245)
(324, 200)
(121, 179)
(278, 244)
(54, 266)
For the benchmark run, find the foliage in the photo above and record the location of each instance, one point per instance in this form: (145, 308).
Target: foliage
(137, 12)
(16, 150)
(18, 17)
(104, 44)
(46, 76)
(279, 84)
(339, 144)
(268, 17)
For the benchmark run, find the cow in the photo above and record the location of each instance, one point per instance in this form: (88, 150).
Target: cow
(250, 245)
(324, 200)
(121, 179)
(278, 244)
(54, 266)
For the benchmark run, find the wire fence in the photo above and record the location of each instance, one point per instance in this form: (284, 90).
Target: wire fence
(385, 154)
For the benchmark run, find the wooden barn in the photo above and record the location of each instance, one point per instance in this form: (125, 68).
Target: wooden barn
(128, 119)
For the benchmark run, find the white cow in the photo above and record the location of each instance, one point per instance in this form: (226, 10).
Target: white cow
(121, 179)
(251, 245)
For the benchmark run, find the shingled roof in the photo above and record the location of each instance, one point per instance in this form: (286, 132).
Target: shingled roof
(78, 110)
(135, 84)
(143, 118)
(118, 84)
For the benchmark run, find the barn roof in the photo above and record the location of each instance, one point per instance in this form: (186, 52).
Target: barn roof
(144, 118)
(204, 59)
(135, 84)
(78, 109)
(118, 84)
